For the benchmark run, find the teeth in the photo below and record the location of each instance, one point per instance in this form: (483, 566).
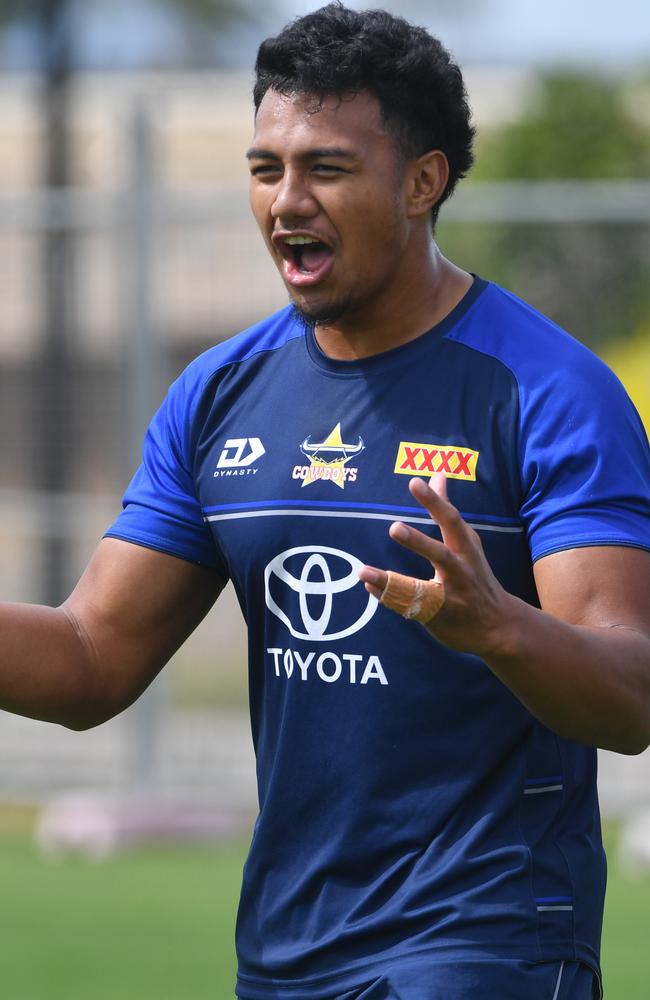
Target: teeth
(299, 241)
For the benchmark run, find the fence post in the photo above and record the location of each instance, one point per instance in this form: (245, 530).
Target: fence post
(143, 388)
(56, 397)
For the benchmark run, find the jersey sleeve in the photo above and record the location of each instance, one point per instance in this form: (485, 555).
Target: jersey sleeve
(585, 460)
(160, 507)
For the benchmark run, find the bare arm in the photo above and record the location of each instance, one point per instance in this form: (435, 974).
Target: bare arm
(586, 656)
(581, 665)
(84, 662)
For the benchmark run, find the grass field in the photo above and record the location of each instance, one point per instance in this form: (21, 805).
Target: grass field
(154, 925)
(158, 925)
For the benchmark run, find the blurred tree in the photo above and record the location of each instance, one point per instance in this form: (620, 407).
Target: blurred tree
(53, 25)
(53, 413)
(579, 127)
(591, 277)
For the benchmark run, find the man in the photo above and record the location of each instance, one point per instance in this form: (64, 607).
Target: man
(428, 822)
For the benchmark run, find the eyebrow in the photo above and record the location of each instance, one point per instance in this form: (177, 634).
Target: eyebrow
(324, 152)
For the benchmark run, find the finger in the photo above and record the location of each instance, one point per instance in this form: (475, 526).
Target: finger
(419, 600)
(438, 483)
(446, 516)
(441, 557)
(374, 580)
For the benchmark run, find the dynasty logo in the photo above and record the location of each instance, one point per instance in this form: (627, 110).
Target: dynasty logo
(414, 459)
(328, 460)
(237, 457)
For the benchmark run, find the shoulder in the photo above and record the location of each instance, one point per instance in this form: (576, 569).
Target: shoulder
(187, 394)
(582, 452)
(270, 334)
(545, 361)
(267, 336)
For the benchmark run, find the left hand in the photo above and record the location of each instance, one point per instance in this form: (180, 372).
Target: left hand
(474, 616)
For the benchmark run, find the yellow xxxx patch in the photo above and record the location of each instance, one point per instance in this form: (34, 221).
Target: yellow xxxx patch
(414, 459)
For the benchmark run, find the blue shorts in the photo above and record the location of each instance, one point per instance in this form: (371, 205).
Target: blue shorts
(482, 980)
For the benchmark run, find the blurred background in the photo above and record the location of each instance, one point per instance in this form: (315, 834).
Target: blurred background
(126, 248)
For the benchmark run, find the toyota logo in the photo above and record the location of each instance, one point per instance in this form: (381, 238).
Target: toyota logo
(315, 576)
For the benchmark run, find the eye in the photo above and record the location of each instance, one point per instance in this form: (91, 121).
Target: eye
(264, 169)
(328, 168)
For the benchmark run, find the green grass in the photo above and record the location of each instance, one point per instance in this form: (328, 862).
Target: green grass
(159, 924)
(155, 924)
(626, 948)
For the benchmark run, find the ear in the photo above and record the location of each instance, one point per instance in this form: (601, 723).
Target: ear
(428, 176)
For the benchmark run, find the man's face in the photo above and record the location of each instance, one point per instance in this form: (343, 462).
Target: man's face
(327, 190)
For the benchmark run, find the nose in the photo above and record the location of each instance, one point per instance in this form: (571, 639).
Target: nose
(293, 199)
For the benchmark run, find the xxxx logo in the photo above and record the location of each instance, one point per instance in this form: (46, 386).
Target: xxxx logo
(415, 459)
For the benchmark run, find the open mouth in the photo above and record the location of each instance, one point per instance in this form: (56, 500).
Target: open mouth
(306, 259)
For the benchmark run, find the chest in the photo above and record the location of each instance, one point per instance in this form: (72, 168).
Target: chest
(289, 453)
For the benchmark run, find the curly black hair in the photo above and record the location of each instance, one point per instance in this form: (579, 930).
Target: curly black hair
(336, 51)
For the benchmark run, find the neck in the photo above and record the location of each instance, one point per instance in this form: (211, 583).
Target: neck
(412, 304)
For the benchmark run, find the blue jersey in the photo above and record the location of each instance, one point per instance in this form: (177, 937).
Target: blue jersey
(409, 805)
